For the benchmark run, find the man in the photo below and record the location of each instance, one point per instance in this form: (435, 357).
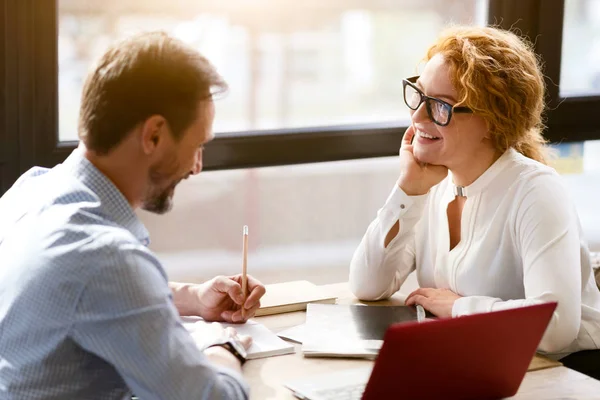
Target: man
(85, 307)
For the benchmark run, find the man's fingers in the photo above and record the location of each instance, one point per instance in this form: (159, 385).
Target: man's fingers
(257, 290)
(227, 315)
(231, 287)
(245, 340)
(238, 318)
(253, 283)
(235, 316)
(250, 313)
(230, 332)
(224, 284)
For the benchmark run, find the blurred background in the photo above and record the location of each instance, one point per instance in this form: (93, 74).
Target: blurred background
(295, 64)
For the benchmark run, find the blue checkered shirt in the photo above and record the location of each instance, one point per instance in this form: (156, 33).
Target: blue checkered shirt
(85, 307)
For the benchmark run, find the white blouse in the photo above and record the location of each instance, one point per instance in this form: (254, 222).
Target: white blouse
(520, 244)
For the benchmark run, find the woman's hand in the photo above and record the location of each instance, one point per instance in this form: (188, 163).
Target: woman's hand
(436, 301)
(417, 178)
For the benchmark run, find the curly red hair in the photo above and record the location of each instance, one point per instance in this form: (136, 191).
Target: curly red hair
(498, 75)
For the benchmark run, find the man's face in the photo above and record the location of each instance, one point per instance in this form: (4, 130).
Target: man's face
(182, 160)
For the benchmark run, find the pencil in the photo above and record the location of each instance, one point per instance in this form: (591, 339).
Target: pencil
(244, 267)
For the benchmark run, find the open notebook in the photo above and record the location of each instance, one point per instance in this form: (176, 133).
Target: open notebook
(264, 342)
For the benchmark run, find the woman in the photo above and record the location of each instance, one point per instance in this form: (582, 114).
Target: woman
(485, 223)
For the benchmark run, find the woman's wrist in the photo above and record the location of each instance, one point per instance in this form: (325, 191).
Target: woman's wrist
(411, 190)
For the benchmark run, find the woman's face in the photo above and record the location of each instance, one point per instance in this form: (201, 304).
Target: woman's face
(458, 142)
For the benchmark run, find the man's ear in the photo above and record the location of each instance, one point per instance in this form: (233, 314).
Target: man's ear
(153, 133)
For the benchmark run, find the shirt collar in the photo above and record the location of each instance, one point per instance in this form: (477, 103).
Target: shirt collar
(113, 203)
(487, 177)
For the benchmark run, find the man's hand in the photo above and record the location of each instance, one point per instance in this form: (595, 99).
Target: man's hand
(436, 301)
(206, 334)
(219, 299)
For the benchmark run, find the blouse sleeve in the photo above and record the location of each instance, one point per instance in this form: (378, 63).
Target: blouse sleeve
(377, 272)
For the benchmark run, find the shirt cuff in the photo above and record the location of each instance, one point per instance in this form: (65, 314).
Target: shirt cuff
(399, 205)
(473, 305)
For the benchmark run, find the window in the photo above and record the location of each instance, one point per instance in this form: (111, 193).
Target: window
(580, 61)
(289, 64)
(304, 220)
(292, 70)
(315, 82)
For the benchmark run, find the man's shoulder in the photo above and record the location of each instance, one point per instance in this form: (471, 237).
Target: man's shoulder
(78, 232)
(31, 173)
(55, 261)
(54, 196)
(67, 229)
(52, 217)
(40, 188)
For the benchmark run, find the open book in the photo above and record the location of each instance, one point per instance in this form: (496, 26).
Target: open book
(354, 331)
(292, 296)
(264, 342)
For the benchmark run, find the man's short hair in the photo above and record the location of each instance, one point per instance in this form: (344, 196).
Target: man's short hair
(144, 75)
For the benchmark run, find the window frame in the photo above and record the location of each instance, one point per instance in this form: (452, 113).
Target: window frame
(29, 104)
(567, 118)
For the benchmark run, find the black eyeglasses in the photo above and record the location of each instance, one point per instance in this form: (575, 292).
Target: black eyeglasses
(438, 110)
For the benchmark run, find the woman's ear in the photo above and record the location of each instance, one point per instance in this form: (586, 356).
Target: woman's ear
(488, 131)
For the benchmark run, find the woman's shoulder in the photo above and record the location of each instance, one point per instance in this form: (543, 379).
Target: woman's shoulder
(527, 170)
(535, 181)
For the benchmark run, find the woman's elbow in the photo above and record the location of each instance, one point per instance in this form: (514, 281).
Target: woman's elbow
(369, 295)
(361, 290)
(557, 338)
(554, 345)
(358, 281)
(364, 290)
(367, 280)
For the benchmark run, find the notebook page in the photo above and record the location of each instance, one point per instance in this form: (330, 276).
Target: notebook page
(264, 342)
(295, 333)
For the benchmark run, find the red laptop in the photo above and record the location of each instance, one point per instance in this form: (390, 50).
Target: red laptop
(481, 356)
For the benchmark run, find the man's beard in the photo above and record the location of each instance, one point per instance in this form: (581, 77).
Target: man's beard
(159, 198)
(159, 201)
